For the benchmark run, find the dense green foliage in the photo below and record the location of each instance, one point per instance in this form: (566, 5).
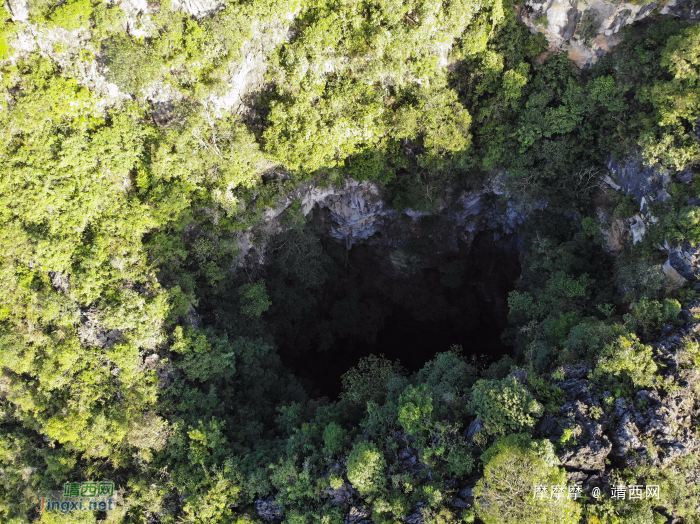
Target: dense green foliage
(511, 467)
(133, 346)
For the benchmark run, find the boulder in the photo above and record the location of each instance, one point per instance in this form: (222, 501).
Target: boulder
(197, 8)
(590, 456)
(92, 333)
(474, 427)
(268, 509)
(358, 515)
(646, 183)
(592, 446)
(685, 259)
(345, 494)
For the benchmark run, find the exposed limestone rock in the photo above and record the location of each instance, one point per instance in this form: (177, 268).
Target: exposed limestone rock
(268, 509)
(646, 183)
(615, 233)
(359, 211)
(358, 515)
(345, 494)
(671, 272)
(197, 8)
(19, 9)
(474, 428)
(416, 514)
(585, 29)
(246, 78)
(92, 333)
(70, 50)
(685, 260)
(138, 22)
(655, 427)
(637, 228)
(60, 281)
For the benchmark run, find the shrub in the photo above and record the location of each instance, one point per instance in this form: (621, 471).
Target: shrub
(334, 438)
(624, 363)
(415, 408)
(72, 14)
(447, 375)
(254, 301)
(504, 495)
(459, 461)
(366, 468)
(368, 380)
(505, 406)
(651, 315)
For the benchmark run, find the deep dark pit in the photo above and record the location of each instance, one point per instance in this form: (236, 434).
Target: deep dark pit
(363, 307)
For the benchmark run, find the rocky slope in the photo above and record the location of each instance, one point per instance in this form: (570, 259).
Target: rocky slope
(588, 29)
(656, 427)
(647, 184)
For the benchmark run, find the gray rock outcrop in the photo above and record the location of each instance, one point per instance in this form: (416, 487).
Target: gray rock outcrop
(345, 494)
(92, 333)
(685, 259)
(358, 211)
(655, 427)
(358, 515)
(197, 9)
(587, 30)
(646, 183)
(268, 509)
(649, 184)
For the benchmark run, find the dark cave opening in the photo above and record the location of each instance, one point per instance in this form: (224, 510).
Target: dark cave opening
(365, 306)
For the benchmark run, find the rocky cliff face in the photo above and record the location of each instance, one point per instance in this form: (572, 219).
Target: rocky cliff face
(361, 212)
(588, 29)
(648, 184)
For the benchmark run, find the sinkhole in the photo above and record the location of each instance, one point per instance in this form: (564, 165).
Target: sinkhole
(333, 306)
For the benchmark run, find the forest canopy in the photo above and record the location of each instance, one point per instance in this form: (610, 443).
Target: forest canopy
(140, 146)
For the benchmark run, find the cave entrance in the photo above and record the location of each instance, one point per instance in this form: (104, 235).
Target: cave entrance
(407, 304)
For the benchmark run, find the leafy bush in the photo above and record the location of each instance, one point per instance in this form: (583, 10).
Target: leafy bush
(369, 379)
(254, 301)
(366, 466)
(626, 363)
(447, 375)
(505, 494)
(334, 438)
(202, 359)
(72, 14)
(505, 406)
(415, 408)
(650, 315)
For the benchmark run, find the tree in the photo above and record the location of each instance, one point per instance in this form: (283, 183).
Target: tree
(415, 408)
(505, 494)
(366, 468)
(505, 406)
(626, 363)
